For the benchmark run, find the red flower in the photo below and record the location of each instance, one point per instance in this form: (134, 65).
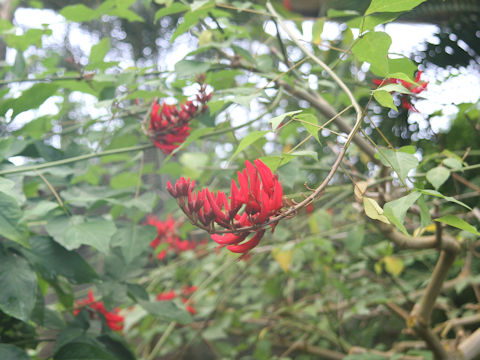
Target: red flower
(259, 194)
(113, 319)
(167, 231)
(169, 124)
(166, 296)
(413, 88)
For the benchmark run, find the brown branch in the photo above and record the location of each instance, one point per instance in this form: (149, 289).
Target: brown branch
(470, 347)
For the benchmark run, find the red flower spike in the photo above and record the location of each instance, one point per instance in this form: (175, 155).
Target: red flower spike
(171, 190)
(249, 245)
(220, 217)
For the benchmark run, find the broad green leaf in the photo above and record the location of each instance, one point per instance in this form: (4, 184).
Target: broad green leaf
(98, 53)
(133, 240)
(74, 232)
(393, 265)
(373, 210)
(334, 13)
(167, 310)
(19, 285)
(365, 23)
(37, 128)
(384, 98)
(189, 19)
(124, 180)
(455, 221)
(247, 141)
(187, 68)
(275, 161)
(11, 352)
(79, 13)
(425, 218)
(448, 198)
(437, 176)
(317, 30)
(402, 65)
(10, 216)
(277, 120)
(452, 163)
(31, 37)
(401, 162)
(39, 211)
(393, 87)
(175, 8)
(52, 260)
(31, 98)
(396, 210)
(373, 48)
(306, 120)
(392, 6)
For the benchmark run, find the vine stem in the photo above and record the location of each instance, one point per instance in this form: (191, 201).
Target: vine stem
(21, 169)
(341, 154)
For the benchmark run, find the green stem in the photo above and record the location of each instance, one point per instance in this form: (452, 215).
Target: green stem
(21, 169)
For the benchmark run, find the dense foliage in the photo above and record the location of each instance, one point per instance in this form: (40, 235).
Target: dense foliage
(224, 189)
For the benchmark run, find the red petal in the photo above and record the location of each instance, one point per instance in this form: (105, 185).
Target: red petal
(247, 246)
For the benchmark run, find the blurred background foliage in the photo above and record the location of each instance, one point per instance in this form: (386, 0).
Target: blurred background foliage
(74, 94)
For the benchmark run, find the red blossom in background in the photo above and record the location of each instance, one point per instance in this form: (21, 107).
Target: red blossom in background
(413, 88)
(167, 234)
(169, 124)
(258, 197)
(186, 291)
(113, 319)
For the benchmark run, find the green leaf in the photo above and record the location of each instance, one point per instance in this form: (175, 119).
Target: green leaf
(53, 260)
(448, 198)
(79, 13)
(334, 13)
(373, 210)
(247, 141)
(373, 48)
(396, 210)
(187, 68)
(393, 87)
(10, 215)
(306, 120)
(19, 285)
(277, 120)
(365, 23)
(11, 352)
(425, 218)
(37, 128)
(384, 98)
(167, 310)
(31, 98)
(189, 19)
(175, 8)
(73, 232)
(311, 153)
(401, 162)
(402, 65)
(452, 163)
(455, 221)
(437, 176)
(392, 6)
(133, 240)
(317, 30)
(97, 54)
(124, 180)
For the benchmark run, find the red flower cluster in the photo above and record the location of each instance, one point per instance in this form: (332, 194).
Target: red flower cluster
(113, 320)
(186, 291)
(169, 124)
(167, 233)
(259, 197)
(414, 88)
